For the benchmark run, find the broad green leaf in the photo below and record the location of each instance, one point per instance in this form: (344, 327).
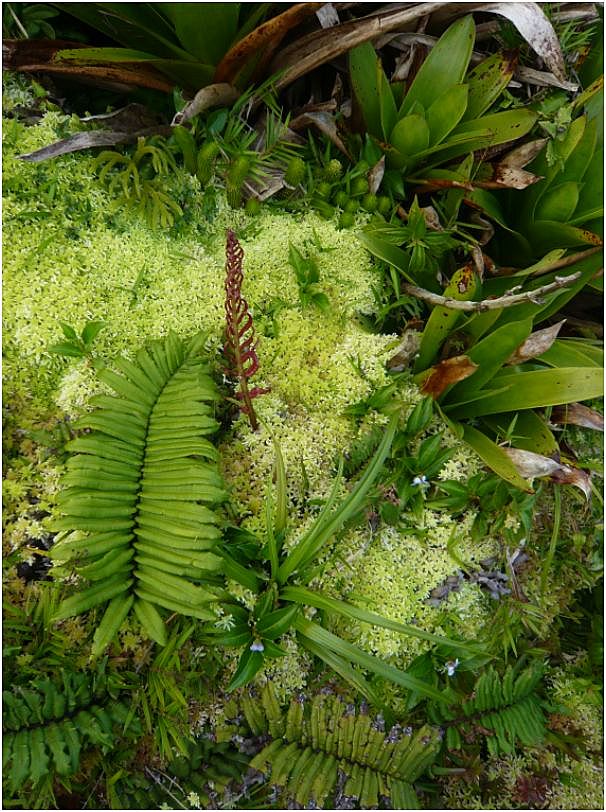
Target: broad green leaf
(305, 596)
(387, 104)
(486, 82)
(530, 431)
(96, 56)
(341, 648)
(544, 235)
(463, 286)
(205, 30)
(444, 67)
(569, 352)
(531, 196)
(275, 624)
(250, 662)
(494, 457)
(69, 332)
(39, 756)
(388, 252)
(558, 203)
(364, 74)
(409, 137)
(581, 157)
(535, 390)
(490, 354)
(134, 25)
(63, 348)
(91, 331)
(445, 113)
(591, 196)
(507, 125)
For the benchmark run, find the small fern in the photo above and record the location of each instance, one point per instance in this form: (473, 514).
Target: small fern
(505, 709)
(46, 726)
(141, 487)
(325, 747)
(128, 178)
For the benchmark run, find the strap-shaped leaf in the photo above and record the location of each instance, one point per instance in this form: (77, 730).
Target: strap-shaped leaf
(142, 486)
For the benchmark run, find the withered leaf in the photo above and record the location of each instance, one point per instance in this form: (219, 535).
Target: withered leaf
(406, 351)
(536, 29)
(447, 373)
(536, 344)
(95, 138)
(217, 95)
(263, 40)
(530, 465)
(325, 123)
(578, 415)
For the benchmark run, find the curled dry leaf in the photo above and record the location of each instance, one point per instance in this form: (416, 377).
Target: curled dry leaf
(217, 95)
(95, 138)
(536, 29)
(325, 123)
(530, 466)
(375, 176)
(447, 373)
(263, 40)
(536, 344)
(406, 351)
(578, 415)
(315, 49)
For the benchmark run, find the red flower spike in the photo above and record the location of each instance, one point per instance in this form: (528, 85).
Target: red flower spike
(240, 346)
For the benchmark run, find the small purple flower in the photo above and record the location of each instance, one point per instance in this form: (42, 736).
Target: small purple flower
(420, 481)
(257, 646)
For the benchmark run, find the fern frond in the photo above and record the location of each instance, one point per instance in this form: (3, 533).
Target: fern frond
(314, 742)
(505, 709)
(46, 726)
(142, 485)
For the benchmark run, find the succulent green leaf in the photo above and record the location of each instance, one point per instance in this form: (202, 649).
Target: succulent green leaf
(486, 82)
(445, 113)
(444, 67)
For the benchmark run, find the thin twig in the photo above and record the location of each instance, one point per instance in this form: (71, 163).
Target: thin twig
(507, 300)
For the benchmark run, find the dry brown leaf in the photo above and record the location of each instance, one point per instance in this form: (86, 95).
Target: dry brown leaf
(536, 29)
(406, 351)
(325, 123)
(578, 415)
(95, 138)
(530, 466)
(536, 344)
(217, 95)
(375, 176)
(447, 373)
(263, 40)
(315, 49)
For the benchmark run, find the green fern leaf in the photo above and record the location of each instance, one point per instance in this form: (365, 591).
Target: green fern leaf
(142, 487)
(312, 743)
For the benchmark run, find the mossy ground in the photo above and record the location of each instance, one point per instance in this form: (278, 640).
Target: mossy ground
(69, 257)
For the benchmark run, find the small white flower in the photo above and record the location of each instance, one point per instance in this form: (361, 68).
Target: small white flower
(226, 622)
(257, 646)
(450, 666)
(421, 481)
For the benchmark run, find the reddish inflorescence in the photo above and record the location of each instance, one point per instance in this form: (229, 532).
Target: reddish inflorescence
(239, 348)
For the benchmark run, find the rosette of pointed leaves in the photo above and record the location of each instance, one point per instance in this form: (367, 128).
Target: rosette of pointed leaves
(443, 114)
(563, 210)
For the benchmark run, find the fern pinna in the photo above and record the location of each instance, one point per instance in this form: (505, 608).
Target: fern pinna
(46, 726)
(239, 348)
(327, 748)
(141, 488)
(504, 709)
